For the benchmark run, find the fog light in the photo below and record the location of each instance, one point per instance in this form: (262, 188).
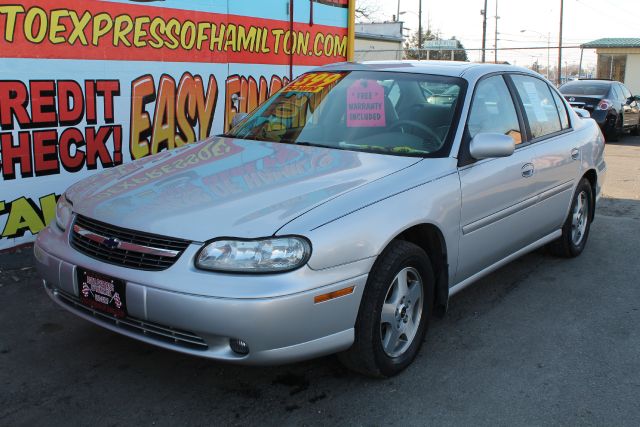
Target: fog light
(239, 346)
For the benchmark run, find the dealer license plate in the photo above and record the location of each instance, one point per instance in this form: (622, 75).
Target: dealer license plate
(102, 293)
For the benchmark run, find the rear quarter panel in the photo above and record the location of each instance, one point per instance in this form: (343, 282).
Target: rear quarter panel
(588, 137)
(592, 151)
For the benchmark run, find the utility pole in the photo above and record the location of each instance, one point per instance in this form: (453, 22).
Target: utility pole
(484, 31)
(580, 64)
(560, 44)
(548, 53)
(398, 15)
(420, 29)
(496, 36)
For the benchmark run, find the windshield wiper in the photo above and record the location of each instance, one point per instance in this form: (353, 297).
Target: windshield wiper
(308, 144)
(249, 138)
(398, 151)
(331, 147)
(282, 141)
(379, 149)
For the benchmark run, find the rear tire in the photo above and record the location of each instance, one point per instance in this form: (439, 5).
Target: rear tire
(575, 230)
(613, 131)
(635, 131)
(394, 312)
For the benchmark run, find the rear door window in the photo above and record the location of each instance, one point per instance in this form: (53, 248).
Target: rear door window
(540, 108)
(562, 110)
(625, 92)
(618, 93)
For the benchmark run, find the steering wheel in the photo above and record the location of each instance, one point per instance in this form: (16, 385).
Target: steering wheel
(418, 125)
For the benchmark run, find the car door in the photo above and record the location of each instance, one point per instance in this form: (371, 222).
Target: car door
(634, 108)
(497, 194)
(556, 151)
(622, 105)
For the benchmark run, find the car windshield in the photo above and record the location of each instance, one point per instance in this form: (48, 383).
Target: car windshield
(383, 112)
(585, 88)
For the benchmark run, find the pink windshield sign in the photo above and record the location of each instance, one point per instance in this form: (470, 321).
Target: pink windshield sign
(365, 104)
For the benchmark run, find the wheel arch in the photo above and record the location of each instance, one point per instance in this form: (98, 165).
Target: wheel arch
(592, 176)
(429, 237)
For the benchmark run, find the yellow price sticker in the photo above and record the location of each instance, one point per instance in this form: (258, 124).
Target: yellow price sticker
(313, 82)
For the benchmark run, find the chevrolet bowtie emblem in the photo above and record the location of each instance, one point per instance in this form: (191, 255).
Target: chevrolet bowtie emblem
(111, 243)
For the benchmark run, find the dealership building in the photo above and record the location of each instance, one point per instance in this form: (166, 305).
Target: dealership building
(618, 59)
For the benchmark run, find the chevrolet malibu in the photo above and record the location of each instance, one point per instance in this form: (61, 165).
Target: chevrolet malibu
(338, 217)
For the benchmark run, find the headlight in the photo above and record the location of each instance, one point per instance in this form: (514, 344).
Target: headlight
(255, 256)
(64, 210)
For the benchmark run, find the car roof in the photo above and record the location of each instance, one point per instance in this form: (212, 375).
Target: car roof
(445, 68)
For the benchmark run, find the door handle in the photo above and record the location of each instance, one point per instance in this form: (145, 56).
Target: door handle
(527, 170)
(575, 154)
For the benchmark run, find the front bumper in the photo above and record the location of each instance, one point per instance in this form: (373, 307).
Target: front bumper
(281, 323)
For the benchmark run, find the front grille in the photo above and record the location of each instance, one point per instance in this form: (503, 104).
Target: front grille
(158, 332)
(150, 251)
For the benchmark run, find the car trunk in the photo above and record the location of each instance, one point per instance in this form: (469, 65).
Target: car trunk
(589, 103)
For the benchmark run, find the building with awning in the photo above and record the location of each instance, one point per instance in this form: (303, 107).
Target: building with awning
(618, 59)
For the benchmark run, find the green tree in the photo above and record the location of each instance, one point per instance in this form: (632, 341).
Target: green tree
(411, 44)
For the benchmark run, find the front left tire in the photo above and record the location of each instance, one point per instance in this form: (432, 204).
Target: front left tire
(394, 312)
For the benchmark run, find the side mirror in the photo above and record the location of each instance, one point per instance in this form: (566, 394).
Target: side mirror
(489, 145)
(238, 118)
(582, 113)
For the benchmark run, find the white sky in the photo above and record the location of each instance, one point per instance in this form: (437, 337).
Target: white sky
(584, 20)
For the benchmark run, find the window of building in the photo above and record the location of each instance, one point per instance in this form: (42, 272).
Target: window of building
(612, 67)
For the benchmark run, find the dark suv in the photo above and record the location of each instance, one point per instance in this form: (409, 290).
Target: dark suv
(609, 102)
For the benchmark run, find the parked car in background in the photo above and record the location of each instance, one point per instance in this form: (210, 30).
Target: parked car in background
(339, 216)
(610, 103)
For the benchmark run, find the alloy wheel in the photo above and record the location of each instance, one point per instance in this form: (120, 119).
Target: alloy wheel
(579, 218)
(401, 312)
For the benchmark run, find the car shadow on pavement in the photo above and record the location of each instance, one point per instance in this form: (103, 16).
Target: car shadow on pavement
(626, 140)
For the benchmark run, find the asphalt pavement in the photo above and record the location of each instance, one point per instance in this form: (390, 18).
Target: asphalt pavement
(542, 341)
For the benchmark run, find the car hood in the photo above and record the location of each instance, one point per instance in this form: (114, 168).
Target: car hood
(226, 187)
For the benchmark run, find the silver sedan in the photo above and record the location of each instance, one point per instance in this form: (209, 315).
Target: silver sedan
(338, 217)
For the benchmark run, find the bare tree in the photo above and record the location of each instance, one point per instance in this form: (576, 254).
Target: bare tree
(367, 10)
